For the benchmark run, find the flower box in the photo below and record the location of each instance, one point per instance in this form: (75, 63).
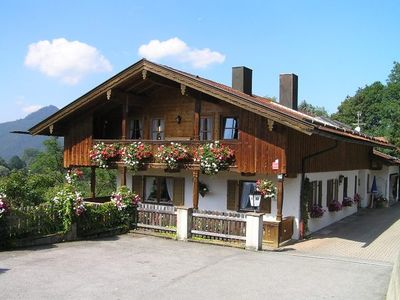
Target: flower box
(316, 212)
(334, 205)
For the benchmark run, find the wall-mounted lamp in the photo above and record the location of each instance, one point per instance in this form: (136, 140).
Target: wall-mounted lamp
(178, 119)
(341, 177)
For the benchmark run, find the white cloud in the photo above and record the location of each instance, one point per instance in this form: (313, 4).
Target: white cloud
(68, 60)
(179, 50)
(31, 108)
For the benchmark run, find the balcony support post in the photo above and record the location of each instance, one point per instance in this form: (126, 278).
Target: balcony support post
(196, 174)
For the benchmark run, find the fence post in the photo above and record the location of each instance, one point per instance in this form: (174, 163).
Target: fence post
(183, 223)
(254, 231)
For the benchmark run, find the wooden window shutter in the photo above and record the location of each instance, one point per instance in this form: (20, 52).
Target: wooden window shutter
(265, 206)
(179, 192)
(320, 193)
(329, 191)
(137, 185)
(232, 195)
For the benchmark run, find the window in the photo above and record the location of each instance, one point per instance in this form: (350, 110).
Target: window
(316, 193)
(135, 129)
(247, 188)
(332, 190)
(238, 197)
(230, 130)
(355, 184)
(345, 186)
(157, 129)
(206, 128)
(158, 189)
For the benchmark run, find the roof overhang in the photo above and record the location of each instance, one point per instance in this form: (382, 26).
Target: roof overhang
(261, 106)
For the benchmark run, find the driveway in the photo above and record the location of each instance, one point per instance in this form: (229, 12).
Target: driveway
(143, 267)
(372, 234)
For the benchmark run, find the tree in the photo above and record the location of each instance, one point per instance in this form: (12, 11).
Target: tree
(3, 163)
(312, 110)
(30, 155)
(16, 163)
(4, 171)
(379, 105)
(49, 161)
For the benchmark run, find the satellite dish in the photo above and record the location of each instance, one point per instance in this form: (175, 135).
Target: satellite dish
(358, 129)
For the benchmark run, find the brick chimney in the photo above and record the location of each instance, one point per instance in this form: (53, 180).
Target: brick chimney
(242, 79)
(288, 88)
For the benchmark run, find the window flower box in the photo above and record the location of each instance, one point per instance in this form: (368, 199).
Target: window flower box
(136, 155)
(104, 154)
(347, 201)
(334, 205)
(214, 157)
(173, 155)
(316, 212)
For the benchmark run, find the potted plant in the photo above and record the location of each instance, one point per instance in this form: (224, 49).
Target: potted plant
(266, 188)
(173, 155)
(104, 154)
(136, 154)
(316, 212)
(214, 157)
(334, 205)
(347, 201)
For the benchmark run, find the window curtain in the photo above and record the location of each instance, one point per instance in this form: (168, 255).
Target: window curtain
(247, 188)
(170, 187)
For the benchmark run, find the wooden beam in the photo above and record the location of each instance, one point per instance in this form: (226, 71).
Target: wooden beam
(279, 202)
(196, 174)
(196, 119)
(93, 183)
(123, 172)
(124, 122)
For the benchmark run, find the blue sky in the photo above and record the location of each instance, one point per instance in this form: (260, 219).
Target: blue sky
(334, 46)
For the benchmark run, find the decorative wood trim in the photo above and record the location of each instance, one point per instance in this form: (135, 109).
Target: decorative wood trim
(183, 89)
(270, 124)
(144, 74)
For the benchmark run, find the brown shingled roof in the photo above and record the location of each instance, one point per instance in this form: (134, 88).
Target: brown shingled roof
(272, 109)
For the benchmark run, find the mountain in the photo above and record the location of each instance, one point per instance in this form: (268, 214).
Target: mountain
(14, 144)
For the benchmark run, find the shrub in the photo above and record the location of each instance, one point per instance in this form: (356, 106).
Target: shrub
(100, 218)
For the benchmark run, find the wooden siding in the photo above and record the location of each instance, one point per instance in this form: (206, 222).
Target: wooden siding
(346, 156)
(78, 142)
(256, 148)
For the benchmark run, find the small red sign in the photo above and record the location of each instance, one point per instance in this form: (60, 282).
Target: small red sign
(275, 164)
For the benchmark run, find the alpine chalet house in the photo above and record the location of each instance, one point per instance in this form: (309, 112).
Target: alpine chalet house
(156, 105)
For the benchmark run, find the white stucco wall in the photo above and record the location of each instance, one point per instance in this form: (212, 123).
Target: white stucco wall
(216, 198)
(328, 218)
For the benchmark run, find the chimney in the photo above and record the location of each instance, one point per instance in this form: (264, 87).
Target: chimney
(288, 90)
(242, 79)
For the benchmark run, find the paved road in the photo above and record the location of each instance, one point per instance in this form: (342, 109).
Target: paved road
(137, 267)
(372, 234)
